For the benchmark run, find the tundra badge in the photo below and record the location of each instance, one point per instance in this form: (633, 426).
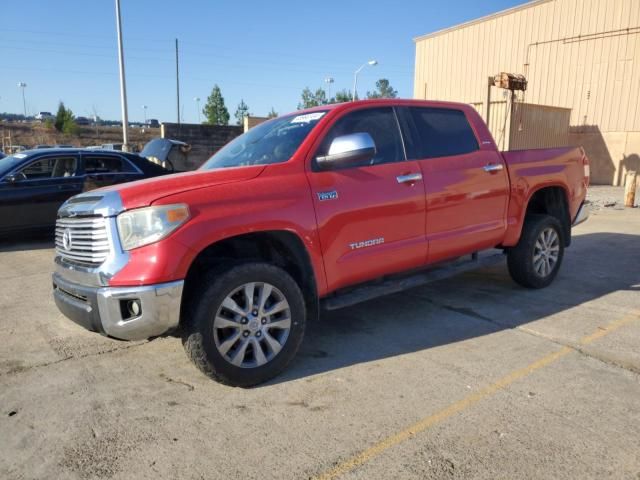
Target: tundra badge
(332, 195)
(366, 243)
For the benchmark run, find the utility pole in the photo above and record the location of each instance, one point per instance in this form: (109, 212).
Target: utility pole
(177, 82)
(123, 86)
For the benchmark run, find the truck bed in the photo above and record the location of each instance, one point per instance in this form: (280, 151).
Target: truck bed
(533, 169)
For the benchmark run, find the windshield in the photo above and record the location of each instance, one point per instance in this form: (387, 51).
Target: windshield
(274, 141)
(8, 163)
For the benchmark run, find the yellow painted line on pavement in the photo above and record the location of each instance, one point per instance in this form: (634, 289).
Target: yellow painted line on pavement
(601, 332)
(427, 422)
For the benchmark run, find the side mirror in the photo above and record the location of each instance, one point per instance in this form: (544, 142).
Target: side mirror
(347, 151)
(14, 177)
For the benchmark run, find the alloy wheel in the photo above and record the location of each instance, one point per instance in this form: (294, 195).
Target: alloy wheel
(252, 325)
(546, 252)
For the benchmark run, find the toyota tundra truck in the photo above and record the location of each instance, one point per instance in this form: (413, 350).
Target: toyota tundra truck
(321, 208)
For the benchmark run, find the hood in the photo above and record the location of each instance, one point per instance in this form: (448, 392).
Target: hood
(143, 193)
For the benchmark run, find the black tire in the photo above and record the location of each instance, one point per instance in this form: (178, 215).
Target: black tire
(198, 323)
(520, 259)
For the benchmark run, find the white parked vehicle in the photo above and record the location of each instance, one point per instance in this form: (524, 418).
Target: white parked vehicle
(43, 116)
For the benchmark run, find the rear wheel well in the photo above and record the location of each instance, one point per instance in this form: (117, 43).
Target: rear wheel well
(281, 248)
(552, 201)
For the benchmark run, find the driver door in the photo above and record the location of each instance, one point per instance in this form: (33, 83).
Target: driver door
(371, 217)
(41, 187)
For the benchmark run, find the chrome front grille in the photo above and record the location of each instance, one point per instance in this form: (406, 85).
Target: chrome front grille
(82, 240)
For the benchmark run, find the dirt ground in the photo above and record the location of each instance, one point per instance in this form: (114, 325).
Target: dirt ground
(470, 377)
(31, 134)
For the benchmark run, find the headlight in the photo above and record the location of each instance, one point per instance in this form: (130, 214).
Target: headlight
(147, 225)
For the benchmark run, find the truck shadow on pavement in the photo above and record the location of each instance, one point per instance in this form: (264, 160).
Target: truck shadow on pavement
(468, 306)
(15, 242)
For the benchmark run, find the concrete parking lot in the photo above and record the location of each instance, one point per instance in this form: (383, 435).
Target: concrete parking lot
(471, 377)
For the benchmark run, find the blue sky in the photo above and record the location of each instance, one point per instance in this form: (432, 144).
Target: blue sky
(263, 52)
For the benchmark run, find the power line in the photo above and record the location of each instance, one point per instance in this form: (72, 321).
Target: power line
(93, 73)
(259, 52)
(221, 66)
(273, 65)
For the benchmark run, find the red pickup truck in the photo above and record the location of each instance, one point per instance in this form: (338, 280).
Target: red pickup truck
(324, 207)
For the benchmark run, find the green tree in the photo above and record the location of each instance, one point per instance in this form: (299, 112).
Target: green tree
(70, 125)
(214, 110)
(342, 96)
(60, 117)
(384, 90)
(241, 112)
(272, 113)
(312, 99)
(65, 120)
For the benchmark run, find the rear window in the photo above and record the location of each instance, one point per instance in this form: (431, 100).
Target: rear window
(443, 132)
(106, 164)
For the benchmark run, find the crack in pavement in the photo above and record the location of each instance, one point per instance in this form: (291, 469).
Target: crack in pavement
(18, 370)
(471, 313)
(496, 295)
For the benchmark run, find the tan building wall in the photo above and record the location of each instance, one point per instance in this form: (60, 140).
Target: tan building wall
(578, 54)
(251, 121)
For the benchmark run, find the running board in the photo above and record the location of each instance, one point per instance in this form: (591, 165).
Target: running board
(395, 285)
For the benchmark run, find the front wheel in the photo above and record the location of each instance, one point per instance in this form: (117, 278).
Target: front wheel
(246, 325)
(534, 262)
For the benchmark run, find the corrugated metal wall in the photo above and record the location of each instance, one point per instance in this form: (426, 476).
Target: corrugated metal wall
(499, 124)
(530, 126)
(578, 54)
(538, 126)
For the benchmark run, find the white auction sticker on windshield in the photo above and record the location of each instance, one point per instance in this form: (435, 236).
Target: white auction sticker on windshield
(308, 117)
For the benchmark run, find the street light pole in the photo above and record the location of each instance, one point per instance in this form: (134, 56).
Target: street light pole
(177, 83)
(123, 85)
(197, 99)
(23, 85)
(329, 81)
(372, 63)
(144, 107)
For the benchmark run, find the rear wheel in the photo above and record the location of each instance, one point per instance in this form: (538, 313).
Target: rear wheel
(247, 324)
(534, 262)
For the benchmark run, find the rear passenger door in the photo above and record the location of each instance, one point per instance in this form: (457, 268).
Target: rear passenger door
(466, 187)
(102, 170)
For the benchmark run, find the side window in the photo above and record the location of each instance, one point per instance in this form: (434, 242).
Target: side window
(380, 123)
(106, 164)
(443, 132)
(50, 168)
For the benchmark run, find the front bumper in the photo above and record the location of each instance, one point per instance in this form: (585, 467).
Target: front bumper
(104, 309)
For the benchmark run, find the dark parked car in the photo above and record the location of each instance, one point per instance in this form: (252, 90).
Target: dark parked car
(33, 184)
(171, 154)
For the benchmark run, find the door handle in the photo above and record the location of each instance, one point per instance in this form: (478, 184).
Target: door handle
(493, 167)
(409, 178)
